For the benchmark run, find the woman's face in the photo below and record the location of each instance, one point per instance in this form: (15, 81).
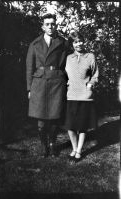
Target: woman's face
(78, 45)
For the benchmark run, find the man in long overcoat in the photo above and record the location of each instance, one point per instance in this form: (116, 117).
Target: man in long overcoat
(46, 80)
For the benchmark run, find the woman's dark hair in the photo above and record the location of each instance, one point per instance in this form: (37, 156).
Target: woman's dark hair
(75, 35)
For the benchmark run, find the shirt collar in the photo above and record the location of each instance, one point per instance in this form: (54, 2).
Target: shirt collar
(47, 37)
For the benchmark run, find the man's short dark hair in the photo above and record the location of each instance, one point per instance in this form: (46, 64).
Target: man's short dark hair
(48, 16)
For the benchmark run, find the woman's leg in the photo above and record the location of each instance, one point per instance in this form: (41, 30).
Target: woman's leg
(80, 144)
(74, 141)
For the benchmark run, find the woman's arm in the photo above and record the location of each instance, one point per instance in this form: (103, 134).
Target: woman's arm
(95, 72)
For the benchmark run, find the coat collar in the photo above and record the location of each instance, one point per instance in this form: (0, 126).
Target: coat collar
(56, 41)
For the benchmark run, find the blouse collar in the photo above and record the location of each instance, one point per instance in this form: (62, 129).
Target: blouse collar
(75, 54)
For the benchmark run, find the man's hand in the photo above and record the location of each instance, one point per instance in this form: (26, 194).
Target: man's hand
(29, 94)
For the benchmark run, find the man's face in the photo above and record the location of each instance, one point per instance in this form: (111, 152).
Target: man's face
(49, 26)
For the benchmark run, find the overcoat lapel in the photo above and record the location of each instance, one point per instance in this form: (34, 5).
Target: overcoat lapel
(43, 48)
(55, 43)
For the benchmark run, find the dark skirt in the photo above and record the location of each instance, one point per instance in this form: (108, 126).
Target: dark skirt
(80, 116)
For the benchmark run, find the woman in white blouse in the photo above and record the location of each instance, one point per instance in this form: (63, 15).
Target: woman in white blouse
(82, 74)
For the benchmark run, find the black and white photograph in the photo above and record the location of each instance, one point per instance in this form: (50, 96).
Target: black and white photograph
(60, 99)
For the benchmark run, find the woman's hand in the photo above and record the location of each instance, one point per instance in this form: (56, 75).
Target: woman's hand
(89, 85)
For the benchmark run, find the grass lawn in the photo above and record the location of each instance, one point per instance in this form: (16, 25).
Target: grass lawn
(23, 170)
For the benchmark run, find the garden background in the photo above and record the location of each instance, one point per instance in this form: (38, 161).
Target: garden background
(20, 23)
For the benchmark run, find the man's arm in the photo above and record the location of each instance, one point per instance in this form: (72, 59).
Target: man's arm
(30, 65)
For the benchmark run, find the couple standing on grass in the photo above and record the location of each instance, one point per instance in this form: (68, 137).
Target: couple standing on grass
(60, 85)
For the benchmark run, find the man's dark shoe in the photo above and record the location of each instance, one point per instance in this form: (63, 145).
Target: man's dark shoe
(44, 143)
(45, 149)
(45, 153)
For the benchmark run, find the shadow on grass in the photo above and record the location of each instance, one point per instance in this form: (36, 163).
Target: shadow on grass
(4, 160)
(106, 135)
(105, 195)
(16, 135)
(6, 148)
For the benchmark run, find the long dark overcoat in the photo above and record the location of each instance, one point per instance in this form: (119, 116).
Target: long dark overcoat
(47, 87)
